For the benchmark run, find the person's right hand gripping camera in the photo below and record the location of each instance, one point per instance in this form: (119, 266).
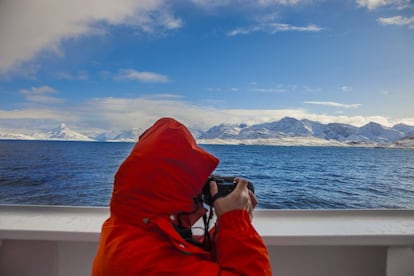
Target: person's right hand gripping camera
(241, 198)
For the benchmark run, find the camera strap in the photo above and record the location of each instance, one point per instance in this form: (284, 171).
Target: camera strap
(186, 232)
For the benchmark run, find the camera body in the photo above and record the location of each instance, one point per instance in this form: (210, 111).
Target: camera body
(225, 185)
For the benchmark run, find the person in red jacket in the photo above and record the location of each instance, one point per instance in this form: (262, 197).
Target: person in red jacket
(156, 200)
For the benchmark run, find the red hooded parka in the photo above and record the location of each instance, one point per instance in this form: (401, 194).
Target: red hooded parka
(160, 178)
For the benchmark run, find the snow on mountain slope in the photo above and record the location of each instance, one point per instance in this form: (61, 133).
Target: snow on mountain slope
(14, 136)
(407, 142)
(286, 126)
(128, 135)
(378, 133)
(281, 141)
(290, 127)
(287, 131)
(339, 132)
(406, 129)
(222, 131)
(62, 132)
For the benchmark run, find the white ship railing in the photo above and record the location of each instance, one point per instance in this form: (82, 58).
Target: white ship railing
(311, 242)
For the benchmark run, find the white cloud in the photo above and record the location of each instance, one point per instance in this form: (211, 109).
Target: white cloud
(352, 120)
(40, 95)
(333, 104)
(280, 88)
(213, 3)
(374, 4)
(123, 113)
(28, 27)
(80, 75)
(164, 96)
(43, 99)
(42, 114)
(280, 2)
(43, 89)
(311, 89)
(279, 27)
(397, 20)
(273, 28)
(345, 88)
(106, 114)
(167, 21)
(142, 76)
(269, 22)
(214, 89)
(271, 90)
(206, 117)
(27, 71)
(249, 3)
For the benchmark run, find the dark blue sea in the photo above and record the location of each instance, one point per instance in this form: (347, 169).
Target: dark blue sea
(81, 174)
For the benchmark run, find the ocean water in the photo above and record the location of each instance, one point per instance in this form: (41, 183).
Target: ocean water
(81, 174)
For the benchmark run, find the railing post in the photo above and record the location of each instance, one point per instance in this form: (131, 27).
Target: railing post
(400, 261)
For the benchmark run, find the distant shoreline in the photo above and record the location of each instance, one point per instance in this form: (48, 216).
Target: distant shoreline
(230, 142)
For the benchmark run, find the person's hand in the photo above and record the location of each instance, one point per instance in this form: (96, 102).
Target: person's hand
(241, 198)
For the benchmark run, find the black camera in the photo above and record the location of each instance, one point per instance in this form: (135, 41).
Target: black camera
(225, 185)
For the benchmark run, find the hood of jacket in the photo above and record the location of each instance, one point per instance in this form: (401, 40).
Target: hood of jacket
(162, 175)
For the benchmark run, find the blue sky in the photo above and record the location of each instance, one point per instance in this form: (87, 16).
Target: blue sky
(114, 65)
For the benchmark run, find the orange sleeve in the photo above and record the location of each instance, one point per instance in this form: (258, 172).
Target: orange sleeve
(239, 248)
(128, 250)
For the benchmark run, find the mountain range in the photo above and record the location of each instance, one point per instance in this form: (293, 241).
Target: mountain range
(371, 133)
(287, 131)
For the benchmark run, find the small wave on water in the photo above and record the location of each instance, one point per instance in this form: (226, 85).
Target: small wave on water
(81, 174)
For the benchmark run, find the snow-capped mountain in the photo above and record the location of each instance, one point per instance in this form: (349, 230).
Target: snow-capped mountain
(378, 133)
(122, 136)
(128, 135)
(222, 131)
(307, 130)
(106, 136)
(286, 127)
(407, 142)
(287, 131)
(337, 131)
(62, 132)
(408, 130)
(14, 136)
